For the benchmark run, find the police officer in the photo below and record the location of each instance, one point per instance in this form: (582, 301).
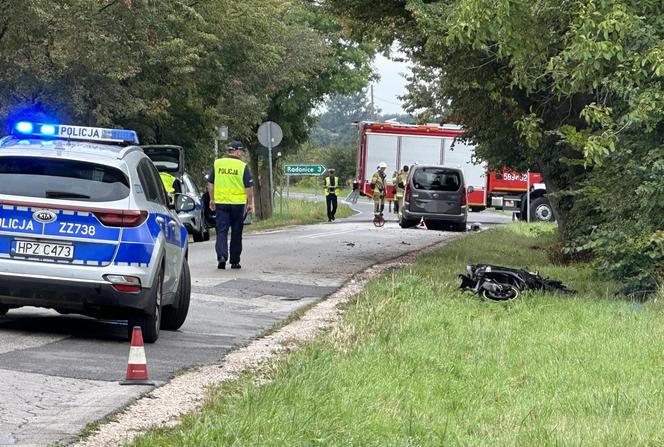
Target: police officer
(171, 184)
(400, 186)
(231, 194)
(378, 189)
(331, 191)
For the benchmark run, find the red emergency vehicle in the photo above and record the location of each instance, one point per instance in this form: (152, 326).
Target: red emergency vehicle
(401, 145)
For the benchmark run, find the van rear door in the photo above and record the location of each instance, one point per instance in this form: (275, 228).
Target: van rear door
(436, 190)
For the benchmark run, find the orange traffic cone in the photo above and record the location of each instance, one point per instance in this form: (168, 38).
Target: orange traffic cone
(137, 365)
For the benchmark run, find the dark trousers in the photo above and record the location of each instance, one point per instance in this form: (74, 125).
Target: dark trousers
(229, 216)
(331, 202)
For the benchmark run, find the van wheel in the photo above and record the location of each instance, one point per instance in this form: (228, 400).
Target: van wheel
(206, 234)
(407, 223)
(175, 315)
(459, 227)
(150, 320)
(3, 309)
(434, 225)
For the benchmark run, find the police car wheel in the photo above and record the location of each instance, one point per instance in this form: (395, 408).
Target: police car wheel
(150, 320)
(3, 309)
(198, 236)
(206, 234)
(173, 317)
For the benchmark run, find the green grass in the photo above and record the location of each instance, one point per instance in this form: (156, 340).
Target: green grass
(300, 212)
(316, 189)
(416, 362)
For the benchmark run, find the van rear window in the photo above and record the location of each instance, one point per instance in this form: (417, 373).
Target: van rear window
(61, 179)
(436, 179)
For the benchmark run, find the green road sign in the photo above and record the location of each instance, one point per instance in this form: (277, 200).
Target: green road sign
(304, 169)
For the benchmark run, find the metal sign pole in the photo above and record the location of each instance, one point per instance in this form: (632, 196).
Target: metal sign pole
(216, 148)
(287, 192)
(269, 150)
(528, 196)
(281, 198)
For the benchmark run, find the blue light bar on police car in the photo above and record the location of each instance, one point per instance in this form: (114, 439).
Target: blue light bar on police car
(63, 131)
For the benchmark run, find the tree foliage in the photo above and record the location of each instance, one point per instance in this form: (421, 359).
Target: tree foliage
(174, 70)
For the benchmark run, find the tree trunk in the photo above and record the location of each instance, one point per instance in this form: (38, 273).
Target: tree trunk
(261, 173)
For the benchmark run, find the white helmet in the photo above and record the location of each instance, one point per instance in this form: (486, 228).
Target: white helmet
(382, 165)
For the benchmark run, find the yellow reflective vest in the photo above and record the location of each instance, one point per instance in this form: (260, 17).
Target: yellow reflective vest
(332, 187)
(168, 180)
(229, 186)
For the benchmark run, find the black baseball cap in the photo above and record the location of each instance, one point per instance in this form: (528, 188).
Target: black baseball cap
(236, 146)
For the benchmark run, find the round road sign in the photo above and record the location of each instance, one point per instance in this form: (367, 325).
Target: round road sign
(270, 134)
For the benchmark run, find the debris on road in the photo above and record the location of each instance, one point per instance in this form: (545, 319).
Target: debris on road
(475, 227)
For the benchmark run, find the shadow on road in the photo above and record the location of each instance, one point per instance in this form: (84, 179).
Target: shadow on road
(66, 325)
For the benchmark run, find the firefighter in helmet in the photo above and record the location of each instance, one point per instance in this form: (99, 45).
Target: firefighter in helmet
(378, 188)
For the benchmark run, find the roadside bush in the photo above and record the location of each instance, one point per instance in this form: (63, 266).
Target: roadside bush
(620, 216)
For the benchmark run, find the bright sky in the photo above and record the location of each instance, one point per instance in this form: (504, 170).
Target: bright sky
(391, 85)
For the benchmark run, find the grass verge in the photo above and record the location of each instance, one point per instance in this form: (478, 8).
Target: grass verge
(316, 189)
(300, 212)
(415, 362)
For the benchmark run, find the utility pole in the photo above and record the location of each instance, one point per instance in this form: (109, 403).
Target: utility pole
(373, 107)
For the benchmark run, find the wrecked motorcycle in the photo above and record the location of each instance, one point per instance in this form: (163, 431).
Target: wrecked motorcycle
(496, 283)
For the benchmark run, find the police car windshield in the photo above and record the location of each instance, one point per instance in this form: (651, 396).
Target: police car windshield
(61, 179)
(436, 179)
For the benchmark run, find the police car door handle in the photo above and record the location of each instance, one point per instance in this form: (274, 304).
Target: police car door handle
(160, 220)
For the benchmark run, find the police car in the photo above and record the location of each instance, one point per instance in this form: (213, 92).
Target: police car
(86, 227)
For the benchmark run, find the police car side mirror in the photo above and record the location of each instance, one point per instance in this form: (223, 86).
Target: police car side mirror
(184, 203)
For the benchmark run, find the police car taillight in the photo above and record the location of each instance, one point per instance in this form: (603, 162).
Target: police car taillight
(123, 283)
(123, 218)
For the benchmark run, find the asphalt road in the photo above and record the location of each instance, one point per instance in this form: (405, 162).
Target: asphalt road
(60, 372)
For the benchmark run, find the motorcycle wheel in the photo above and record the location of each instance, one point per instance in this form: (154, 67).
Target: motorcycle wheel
(508, 293)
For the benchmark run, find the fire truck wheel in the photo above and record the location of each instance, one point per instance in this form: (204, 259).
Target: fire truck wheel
(540, 210)
(477, 209)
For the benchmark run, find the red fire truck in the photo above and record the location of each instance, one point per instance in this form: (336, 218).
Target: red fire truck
(399, 145)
